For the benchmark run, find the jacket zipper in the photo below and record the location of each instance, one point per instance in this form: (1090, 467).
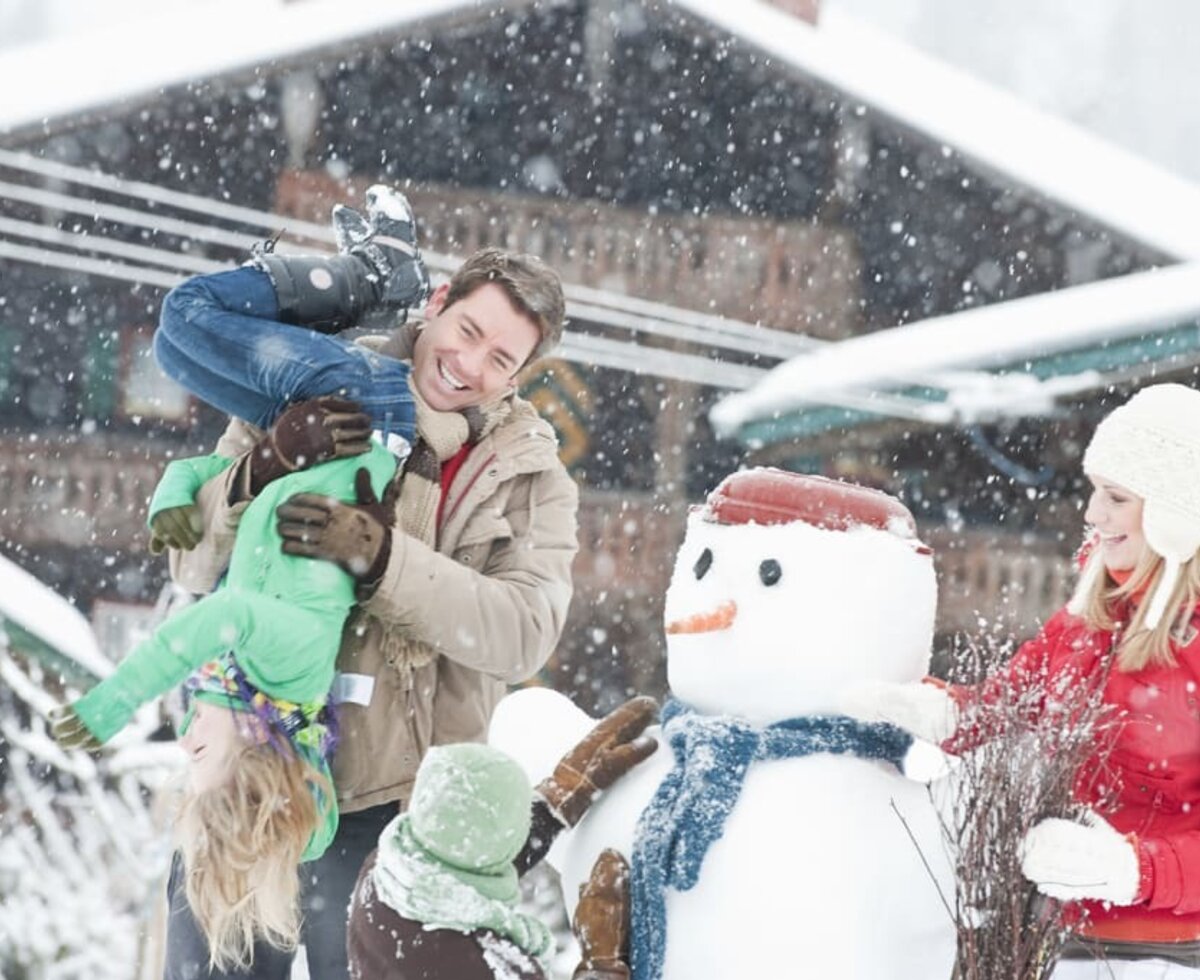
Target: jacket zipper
(410, 716)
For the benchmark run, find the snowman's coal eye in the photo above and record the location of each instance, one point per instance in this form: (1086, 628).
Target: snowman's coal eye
(770, 572)
(703, 563)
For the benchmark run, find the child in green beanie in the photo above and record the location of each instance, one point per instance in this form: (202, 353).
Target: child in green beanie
(439, 896)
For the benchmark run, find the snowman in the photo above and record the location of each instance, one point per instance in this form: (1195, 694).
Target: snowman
(771, 836)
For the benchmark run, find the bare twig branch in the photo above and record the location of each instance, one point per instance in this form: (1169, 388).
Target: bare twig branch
(1030, 745)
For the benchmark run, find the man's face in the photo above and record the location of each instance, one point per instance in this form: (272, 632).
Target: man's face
(469, 352)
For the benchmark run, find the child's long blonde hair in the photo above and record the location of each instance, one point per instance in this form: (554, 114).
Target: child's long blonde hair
(1098, 596)
(241, 844)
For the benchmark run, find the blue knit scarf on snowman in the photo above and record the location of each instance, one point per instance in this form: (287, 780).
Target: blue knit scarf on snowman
(687, 813)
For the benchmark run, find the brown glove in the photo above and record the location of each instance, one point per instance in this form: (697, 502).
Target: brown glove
(357, 537)
(608, 751)
(602, 920)
(175, 527)
(69, 731)
(308, 433)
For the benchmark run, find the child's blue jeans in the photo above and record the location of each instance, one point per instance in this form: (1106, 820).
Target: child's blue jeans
(220, 338)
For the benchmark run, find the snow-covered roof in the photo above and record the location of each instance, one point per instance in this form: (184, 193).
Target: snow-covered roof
(983, 123)
(68, 75)
(993, 129)
(37, 609)
(987, 337)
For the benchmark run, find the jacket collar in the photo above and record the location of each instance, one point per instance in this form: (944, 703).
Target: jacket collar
(523, 444)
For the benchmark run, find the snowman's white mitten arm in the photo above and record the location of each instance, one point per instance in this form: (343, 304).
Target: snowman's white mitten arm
(1070, 861)
(926, 711)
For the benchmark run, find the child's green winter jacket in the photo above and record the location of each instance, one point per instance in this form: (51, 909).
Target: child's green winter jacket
(280, 615)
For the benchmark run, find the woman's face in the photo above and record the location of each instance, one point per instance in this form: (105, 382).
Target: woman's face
(212, 741)
(1116, 514)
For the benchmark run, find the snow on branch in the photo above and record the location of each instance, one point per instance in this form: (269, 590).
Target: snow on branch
(1033, 748)
(83, 844)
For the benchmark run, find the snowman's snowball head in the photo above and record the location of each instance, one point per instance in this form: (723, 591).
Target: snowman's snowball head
(768, 622)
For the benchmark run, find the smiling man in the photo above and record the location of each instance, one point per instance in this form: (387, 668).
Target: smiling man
(463, 568)
(471, 348)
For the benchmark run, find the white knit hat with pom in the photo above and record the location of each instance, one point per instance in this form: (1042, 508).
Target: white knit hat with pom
(1151, 447)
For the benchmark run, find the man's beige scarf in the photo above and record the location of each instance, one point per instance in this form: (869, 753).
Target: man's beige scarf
(416, 491)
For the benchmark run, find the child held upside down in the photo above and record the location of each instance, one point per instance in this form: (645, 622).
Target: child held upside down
(258, 656)
(265, 645)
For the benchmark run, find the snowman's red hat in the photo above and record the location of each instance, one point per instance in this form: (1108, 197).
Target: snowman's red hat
(765, 495)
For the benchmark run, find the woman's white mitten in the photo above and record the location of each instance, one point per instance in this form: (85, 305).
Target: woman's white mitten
(1070, 861)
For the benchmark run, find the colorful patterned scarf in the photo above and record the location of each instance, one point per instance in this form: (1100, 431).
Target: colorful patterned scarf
(311, 726)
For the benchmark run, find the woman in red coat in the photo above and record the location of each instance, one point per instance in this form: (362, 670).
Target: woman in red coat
(1132, 866)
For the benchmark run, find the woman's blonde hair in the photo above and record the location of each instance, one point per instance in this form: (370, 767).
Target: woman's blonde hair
(241, 844)
(1137, 646)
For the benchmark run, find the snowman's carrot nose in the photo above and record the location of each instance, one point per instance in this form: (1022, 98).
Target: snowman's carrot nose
(720, 618)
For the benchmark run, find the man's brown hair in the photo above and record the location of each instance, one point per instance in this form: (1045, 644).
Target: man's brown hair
(533, 287)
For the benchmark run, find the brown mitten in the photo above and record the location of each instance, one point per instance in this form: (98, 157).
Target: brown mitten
(602, 920)
(308, 433)
(355, 536)
(608, 751)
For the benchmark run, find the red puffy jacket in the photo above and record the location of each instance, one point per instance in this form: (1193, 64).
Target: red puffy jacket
(1154, 768)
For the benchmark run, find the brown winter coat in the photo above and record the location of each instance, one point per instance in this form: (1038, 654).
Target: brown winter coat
(490, 601)
(384, 945)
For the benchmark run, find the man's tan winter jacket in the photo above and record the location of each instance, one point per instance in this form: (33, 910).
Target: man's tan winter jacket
(490, 601)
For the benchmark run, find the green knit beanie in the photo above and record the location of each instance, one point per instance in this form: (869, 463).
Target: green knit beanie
(470, 807)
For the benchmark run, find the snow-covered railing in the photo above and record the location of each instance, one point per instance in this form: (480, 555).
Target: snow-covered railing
(190, 233)
(702, 262)
(995, 580)
(79, 495)
(955, 346)
(793, 276)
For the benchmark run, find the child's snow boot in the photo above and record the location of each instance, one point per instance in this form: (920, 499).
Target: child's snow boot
(378, 268)
(387, 239)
